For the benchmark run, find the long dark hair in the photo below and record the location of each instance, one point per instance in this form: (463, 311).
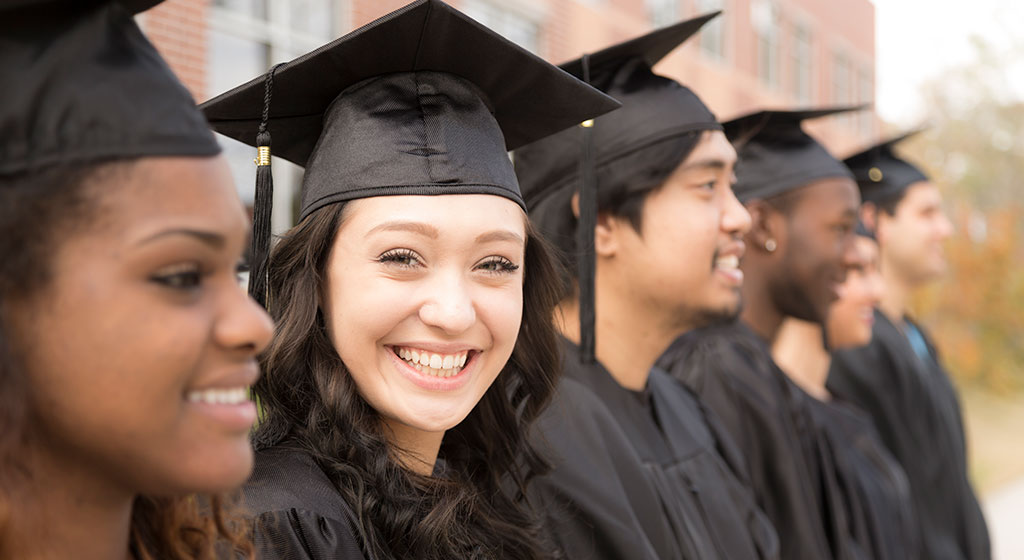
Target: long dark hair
(37, 210)
(311, 403)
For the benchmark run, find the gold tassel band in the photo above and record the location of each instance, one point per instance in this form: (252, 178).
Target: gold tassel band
(262, 156)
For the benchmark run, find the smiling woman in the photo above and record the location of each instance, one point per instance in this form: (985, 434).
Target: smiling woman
(415, 346)
(126, 347)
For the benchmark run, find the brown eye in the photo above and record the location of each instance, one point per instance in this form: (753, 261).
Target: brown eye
(179, 277)
(401, 257)
(498, 265)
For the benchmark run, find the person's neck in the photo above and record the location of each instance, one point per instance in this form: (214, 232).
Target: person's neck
(800, 351)
(896, 295)
(628, 342)
(74, 513)
(415, 449)
(759, 310)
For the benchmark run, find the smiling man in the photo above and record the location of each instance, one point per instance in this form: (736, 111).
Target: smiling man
(639, 469)
(898, 378)
(803, 206)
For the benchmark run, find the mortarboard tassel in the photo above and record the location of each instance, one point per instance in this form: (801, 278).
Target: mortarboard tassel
(263, 205)
(585, 236)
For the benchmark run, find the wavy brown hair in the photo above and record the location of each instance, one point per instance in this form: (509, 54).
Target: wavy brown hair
(37, 211)
(312, 404)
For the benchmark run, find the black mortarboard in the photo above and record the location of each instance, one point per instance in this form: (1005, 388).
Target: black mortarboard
(632, 149)
(777, 156)
(880, 173)
(83, 84)
(424, 100)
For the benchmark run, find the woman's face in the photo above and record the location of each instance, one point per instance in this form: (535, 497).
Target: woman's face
(851, 317)
(141, 349)
(424, 299)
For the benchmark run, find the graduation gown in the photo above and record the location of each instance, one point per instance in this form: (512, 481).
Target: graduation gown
(638, 475)
(872, 480)
(296, 511)
(790, 463)
(915, 408)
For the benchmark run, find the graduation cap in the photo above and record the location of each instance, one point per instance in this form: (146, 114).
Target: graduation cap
(777, 156)
(632, 149)
(880, 173)
(423, 101)
(82, 84)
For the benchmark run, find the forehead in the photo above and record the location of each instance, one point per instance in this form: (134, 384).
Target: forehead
(922, 193)
(157, 192)
(713, 146)
(449, 214)
(833, 194)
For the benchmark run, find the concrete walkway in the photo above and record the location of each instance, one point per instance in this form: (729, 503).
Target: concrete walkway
(1004, 511)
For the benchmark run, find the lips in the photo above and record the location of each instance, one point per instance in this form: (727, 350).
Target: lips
(416, 363)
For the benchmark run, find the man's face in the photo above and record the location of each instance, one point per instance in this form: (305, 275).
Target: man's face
(683, 266)
(912, 239)
(815, 248)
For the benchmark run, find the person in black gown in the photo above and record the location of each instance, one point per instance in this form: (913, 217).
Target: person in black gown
(641, 470)
(899, 378)
(414, 345)
(126, 347)
(869, 474)
(803, 204)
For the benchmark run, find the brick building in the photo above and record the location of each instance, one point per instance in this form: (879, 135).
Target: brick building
(758, 53)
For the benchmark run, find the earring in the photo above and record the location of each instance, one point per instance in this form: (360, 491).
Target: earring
(770, 245)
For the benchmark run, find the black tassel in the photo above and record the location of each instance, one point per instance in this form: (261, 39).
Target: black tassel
(585, 236)
(263, 205)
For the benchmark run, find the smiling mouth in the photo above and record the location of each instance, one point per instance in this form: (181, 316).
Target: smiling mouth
(433, 364)
(232, 396)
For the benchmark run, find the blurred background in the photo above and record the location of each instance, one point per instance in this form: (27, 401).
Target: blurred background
(954, 67)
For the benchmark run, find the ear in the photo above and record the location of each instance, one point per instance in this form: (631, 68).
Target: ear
(766, 226)
(606, 242)
(607, 233)
(869, 216)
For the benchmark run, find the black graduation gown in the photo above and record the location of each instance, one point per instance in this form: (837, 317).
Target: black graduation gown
(789, 461)
(915, 408)
(638, 475)
(872, 480)
(296, 512)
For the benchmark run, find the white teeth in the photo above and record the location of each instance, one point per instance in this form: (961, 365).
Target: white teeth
(236, 395)
(728, 262)
(437, 365)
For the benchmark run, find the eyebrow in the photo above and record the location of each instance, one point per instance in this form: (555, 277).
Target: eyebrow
(423, 229)
(500, 235)
(210, 238)
(715, 164)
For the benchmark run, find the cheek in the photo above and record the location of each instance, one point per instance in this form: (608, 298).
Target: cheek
(500, 310)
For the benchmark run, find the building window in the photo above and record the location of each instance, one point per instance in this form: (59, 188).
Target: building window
(843, 92)
(245, 38)
(867, 95)
(663, 12)
(764, 15)
(801, 65)
(513, 24)
(712, 35)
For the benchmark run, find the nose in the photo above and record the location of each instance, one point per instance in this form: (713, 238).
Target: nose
(850, 258)
(945, 227)
(243, 324)
(449, 306)
(735, 219)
